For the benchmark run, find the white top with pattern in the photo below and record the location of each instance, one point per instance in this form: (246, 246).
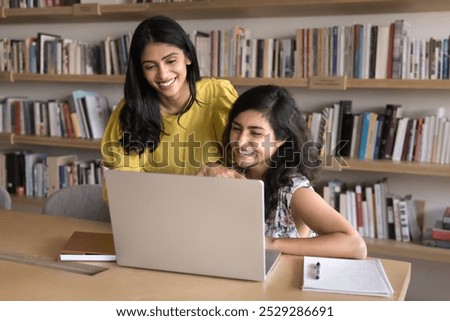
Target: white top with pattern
(280, 223)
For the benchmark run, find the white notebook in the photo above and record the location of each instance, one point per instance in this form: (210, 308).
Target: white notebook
(363, 277)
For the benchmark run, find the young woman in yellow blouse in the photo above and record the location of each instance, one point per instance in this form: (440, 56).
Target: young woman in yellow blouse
(170, 119)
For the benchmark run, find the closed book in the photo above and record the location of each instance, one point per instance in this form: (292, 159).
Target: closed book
(390, 217)
(400, 139)
(359, 209)
(360, 277)
(446, 219)
(77, 112)
(357, 50)
(373, 50)
(34, 184)
(404, 223)
(379, 134)
(97, 112)
(401, 33)
(42, 38)
(392, 114)
(439, 233)
(372, 221)
(88, 246)
(345, 126)
(413, 223)
(54, 164)
(371, 136)
(15, 171)
(429, 241)
(408, 138)
(356, 133)
(397, 225)
(382, 52)
(366, 117)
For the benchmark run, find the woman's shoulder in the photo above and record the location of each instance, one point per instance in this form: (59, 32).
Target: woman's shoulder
(299, 182)
(214, 86)
(118, 108)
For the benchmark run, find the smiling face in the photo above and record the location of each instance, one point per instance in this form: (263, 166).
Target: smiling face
(164, 67)
(253, 141)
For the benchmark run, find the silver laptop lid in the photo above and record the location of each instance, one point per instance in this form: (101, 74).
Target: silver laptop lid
(190, 224)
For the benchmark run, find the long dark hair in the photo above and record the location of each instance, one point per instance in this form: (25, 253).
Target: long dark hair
(140, 117)
(298, 155)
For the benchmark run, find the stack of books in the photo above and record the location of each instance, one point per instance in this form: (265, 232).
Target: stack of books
(439, 234)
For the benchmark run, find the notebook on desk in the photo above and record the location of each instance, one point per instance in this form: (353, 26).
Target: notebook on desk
(189, 224)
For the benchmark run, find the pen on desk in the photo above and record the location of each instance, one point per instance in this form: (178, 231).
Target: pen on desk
(317, 273)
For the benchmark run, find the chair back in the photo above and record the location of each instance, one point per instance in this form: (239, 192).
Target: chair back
(5, 199)
(80, 201)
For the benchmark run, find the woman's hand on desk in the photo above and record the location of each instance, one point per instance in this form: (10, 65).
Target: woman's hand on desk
(218, 170)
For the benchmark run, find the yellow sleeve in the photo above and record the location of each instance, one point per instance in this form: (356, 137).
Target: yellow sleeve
(222, 97)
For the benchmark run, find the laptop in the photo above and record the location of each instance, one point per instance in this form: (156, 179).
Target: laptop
(189, 224)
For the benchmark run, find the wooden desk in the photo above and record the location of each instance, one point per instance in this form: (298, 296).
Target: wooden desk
(42, 235)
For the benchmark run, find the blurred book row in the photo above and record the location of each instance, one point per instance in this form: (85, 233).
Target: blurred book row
(48, 53)
(375, 211)
(439, 234)
(56, 3)
(387, 134)
(83, 115)
(23, 172)
(360, 51)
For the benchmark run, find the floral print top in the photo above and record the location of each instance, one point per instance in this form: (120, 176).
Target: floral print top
(280, 223)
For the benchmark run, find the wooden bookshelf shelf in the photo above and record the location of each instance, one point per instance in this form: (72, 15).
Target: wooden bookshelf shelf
(286, 82)
(424, 84)
(28, 200)
(6, 139)
(388, 166)
(407, 250)
(99, 79)
(294, 82)
(218, 9)
(88, 144)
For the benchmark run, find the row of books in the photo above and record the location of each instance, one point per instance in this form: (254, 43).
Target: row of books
(56, 3)
(382, 135)
(374, 211)
(359, 51)
(371, 51)
(439, 234)
(356, 51)
(83, 115)
(52, 54)
(232, 53)
(23, 172)
(21, 4)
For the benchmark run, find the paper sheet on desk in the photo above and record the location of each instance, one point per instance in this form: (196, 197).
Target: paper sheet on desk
(363, 277)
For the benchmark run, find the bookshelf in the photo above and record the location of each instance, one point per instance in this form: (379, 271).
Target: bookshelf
(215, 9)
(201, 12)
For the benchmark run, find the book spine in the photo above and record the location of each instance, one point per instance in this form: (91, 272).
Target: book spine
(404, 224)
(440, 234)
(359, 209)
(390, 217)
(364, 135)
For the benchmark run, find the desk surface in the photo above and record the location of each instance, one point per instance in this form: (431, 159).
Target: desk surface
(43, 236)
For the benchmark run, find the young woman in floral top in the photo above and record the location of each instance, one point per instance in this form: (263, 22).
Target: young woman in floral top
(268, 139)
